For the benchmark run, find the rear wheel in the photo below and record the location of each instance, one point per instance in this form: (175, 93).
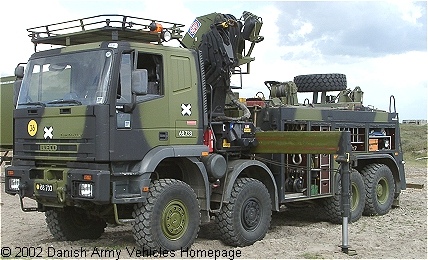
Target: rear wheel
(379, 185)
(170, 219)
(333, 207)
(246, 218)
(71, 223)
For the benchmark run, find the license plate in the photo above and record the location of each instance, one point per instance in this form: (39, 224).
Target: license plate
(44, 187)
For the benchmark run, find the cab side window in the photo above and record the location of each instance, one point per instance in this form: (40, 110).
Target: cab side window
(153, 64)
(123, 94)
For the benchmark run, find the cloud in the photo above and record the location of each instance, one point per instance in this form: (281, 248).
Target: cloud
(412, 12)
(380, 74)
(361, 29)
(380, 46)
(15, 45)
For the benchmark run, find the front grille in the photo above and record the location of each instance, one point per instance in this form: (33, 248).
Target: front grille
(49, 147)
(54, 148)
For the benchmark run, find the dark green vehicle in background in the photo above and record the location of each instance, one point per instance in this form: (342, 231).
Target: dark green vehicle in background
(117, 127)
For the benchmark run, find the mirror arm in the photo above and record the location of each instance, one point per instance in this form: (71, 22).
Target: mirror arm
(129, 107)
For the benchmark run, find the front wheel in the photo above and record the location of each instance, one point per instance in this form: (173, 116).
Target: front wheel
(246, 218)
(170, 219)
(71, 223)
(379, 185)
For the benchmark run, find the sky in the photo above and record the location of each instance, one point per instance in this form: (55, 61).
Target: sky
(381, 46)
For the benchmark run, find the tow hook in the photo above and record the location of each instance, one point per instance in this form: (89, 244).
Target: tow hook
(60, 191)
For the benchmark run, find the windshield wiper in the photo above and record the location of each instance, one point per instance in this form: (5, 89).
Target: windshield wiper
(65, 101)
(37, 103)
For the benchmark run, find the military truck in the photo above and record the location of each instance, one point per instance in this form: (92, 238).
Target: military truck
(116, 126)
(6, 115)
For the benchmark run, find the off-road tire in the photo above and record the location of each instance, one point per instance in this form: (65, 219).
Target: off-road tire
(380, 188)
(332, 205)
(320, 82)
(246, 218)
(170, 202)
(70, 224)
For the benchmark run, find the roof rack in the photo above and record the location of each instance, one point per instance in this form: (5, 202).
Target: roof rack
(103, 28)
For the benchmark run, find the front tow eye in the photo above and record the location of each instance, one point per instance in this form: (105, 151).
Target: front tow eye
(22, 188)
(60, 191)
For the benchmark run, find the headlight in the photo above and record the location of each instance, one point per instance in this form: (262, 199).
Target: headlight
(85, 190)
(14, 183)
(166, 36)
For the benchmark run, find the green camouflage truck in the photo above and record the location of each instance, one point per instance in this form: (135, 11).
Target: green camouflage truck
(114, 126)
(6, 115)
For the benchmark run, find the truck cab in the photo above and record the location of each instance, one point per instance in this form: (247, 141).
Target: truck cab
(99, 105)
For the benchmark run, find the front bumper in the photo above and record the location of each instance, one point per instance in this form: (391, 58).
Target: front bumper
(56, 187)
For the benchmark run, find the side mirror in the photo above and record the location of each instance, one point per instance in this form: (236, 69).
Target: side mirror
(139, 82)
(19, 71)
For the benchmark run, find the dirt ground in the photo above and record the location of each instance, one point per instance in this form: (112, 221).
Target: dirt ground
(294, 233)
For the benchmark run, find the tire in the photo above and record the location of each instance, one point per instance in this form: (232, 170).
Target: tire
(332, 205)
(380, 188)
(320, 82)
(170, 219)
(71, 223)
(246, 218)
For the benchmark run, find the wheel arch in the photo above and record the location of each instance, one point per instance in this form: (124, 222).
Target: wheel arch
(181, 163)
(253, 169)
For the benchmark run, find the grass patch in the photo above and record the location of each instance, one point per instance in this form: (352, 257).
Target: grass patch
(414, 144)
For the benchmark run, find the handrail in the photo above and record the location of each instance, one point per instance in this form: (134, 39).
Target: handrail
(40, 34)
(392, 102)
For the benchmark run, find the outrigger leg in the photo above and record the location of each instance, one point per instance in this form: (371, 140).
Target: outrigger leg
(344, 160)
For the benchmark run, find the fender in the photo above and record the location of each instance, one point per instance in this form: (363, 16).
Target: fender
(196, 183)
(157, 154)
(262, 173)
(151, 160)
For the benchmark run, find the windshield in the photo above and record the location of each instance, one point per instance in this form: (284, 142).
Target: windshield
(69, 79)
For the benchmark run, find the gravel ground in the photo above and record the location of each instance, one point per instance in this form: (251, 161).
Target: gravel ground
(294, 233)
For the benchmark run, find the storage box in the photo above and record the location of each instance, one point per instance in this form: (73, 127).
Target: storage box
(325, 186)
(325, 174)
(373, 144)
(314, 189)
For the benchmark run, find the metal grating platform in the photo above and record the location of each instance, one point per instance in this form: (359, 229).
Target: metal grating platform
(102, 28)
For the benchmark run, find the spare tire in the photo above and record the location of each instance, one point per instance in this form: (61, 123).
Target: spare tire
(320, 82)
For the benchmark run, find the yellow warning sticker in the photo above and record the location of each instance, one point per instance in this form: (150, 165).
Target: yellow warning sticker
(32, 127)
(226, 144)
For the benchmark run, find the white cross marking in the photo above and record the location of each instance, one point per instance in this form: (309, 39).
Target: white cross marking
(186, 109)
(48, 132)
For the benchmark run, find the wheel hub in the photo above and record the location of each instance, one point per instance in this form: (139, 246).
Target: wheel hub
(251, 214)
(355, 197)
(382, 190)
(379, 190)
(174, 220)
